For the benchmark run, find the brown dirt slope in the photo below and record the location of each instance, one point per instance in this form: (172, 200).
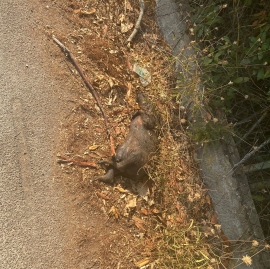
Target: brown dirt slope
(113, 226)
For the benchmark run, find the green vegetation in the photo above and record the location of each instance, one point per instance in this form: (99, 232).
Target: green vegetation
(232, 42)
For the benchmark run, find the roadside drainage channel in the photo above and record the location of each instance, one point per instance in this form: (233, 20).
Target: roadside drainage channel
(229, 190)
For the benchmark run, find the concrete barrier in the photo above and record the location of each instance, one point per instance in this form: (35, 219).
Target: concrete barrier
(229, 189)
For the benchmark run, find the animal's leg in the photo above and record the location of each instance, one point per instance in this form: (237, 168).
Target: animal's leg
(108, 177)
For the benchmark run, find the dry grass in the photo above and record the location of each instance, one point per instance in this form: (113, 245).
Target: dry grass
(173, 225)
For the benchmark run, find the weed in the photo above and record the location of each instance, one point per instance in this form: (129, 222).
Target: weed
(232, 45)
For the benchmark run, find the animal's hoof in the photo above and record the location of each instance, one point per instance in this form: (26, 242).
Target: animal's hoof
(108, 178)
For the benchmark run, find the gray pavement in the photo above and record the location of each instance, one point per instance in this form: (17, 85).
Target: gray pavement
(32, 214)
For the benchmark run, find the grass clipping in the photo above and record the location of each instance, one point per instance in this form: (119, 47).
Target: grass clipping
(183, 231)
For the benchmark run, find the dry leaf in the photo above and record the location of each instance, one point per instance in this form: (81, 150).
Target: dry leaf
(218, 227)
(98, 130)
(255, 23)
(137, 219)
(123, 131)
(155, 211)
(138, 223)
(179, 220)
(178, 207)
(151, 202)
(120, 189)
(114, 212)
(103, 196)
(170, 220)
(117, 130)
(110, 81)
(208, 199)
(130, 67)
(207, 116)
(142, 262)
(105, 30)
(181, 188)
(132, 202)
(145, 211)
(260, 14)
(183, 217)
(214, 219)
(139, 226)
(121, 18)
(94, 147)
(128, 6)
(208, 231)
(125, 27)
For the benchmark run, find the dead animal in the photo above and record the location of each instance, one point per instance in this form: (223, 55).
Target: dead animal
(140, 144)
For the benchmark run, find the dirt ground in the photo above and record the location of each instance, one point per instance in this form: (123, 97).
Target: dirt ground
(113, 225)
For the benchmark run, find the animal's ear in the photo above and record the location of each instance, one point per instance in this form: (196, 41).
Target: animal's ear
(149, 121)
(144, 102)
(140, 97)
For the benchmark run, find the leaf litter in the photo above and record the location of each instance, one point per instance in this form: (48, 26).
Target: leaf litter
(151, 224)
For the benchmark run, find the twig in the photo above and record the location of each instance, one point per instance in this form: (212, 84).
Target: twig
(64, 159)
(138, 23)
(91, 89)
(249, 118)
(248, 155)
(251, 129)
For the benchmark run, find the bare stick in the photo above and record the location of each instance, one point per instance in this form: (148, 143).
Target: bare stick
(248, 155)
(64, 159)
(91, 89)
(138, 23)
(249, 118)
(251, 129)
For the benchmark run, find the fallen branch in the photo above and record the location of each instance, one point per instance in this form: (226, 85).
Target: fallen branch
(91, 89)
(64, 159)
(248, 155)
(251, 129)
(138, 23)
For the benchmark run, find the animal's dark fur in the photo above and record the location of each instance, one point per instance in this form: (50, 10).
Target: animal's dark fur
(140, 143)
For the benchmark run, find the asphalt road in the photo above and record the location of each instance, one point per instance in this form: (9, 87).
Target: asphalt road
(32, 213)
